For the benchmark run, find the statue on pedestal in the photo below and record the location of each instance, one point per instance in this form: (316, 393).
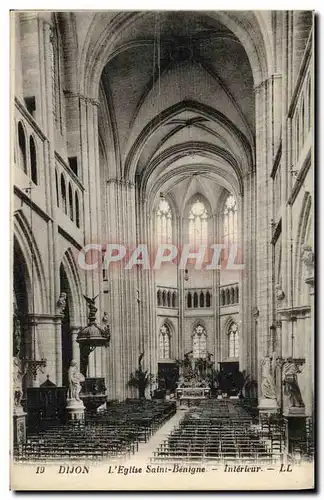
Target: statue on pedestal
(290, 371)
(75, 378)
(61, 303)
(268, 387)
(19, 371)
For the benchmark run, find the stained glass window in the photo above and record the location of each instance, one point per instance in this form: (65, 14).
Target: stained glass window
(165, 352)
(198, 224)
(230, 221)
(164, 222)
(233, 341)
(199, 342)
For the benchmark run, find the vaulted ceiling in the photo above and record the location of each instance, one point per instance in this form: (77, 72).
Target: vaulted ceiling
(179, 91)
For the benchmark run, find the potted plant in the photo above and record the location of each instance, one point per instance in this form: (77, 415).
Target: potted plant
(214, 381)
(245, 383)
(140, 379)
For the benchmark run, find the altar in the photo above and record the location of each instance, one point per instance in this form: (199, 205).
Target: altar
(193, 385)
(191, 396)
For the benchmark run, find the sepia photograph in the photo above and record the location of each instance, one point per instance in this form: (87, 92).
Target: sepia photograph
(162, 250)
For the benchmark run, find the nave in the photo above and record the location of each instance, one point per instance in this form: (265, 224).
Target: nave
(151, 432)
(186, 138)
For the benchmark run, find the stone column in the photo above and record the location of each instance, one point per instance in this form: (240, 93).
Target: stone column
(215, 300)
(181, 288)
(309, 261)
(286, 161)
(146, 288)
(92, 207)
(126, 341)
(249, 355)
(47, 98)
(15, 23)
(30, 45)
(264, 154)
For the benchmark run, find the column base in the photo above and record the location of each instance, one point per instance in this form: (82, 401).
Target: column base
(268, 406)
(19, 426)
(295, 411)
(75, 410)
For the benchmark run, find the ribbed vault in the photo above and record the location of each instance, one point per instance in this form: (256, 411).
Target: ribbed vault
(177, 95)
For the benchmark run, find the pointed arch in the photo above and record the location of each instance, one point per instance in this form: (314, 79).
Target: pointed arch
(77, 307)
(240, 146)
(33, 160)
(197, 218)
(70, 202)
(165, 341)
(230, 220)
(57, 189)
(199, 340)
(163, 221)
(77, 209)
(236, 295)
(305, 221)
(36, 280)
(159, 298)
(101, 42)
(232, 333)
(22, 160)
(63, 194)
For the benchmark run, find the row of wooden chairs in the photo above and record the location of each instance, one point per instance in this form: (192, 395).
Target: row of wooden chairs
(217, 431)
(114, 433)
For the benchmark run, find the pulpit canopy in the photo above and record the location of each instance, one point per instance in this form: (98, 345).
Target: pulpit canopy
(93, 336)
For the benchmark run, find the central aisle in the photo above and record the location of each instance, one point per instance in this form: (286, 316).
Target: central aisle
(145, 450)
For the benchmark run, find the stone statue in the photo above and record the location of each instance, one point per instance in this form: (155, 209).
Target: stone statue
(61, 303)
(308, 259)
(106, 327)
(19, 371)
(268, 388)
(280, 294)
(92, 308)
(290, 371)
(105, 319)
(75, 378)
(255, 312)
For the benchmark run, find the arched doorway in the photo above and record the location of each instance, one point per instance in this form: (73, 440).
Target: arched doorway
(20, 306)
(66, 338)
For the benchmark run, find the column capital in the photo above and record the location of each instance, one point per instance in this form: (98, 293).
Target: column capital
(121, 182)
(271, 78)
(82, 97)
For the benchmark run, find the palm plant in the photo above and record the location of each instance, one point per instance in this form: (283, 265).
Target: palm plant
(245, 383)
(140, 379)
(213, 377)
